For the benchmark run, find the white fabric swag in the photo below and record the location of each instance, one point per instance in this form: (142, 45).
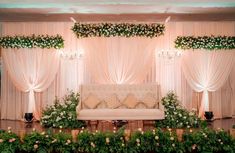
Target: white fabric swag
(31, 70)
(207, 71)
(118, 60)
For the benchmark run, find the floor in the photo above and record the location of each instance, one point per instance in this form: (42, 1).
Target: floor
(18, 126)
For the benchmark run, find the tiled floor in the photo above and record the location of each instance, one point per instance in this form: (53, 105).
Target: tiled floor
(18, 126)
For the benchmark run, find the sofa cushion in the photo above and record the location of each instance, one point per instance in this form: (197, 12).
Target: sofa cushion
(149, 100)
(120, 114)
(130, 101)
(91, 102)
(113, 102)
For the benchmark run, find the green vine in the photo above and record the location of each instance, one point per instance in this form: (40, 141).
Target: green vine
(154, 141)
(205, 42)
(32, 41)
(115, 29)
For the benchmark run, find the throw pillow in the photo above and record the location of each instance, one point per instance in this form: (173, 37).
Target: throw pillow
(130, 101)
(91, 101)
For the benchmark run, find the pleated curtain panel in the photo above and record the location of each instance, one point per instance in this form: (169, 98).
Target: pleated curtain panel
(118, 60)
(31, 70)
(207, 71)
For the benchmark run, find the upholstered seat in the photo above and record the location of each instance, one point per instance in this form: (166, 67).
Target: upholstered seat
(121, 114)
(120, 102)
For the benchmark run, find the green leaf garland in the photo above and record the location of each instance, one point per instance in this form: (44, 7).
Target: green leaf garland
(157, 141)
(205, 42)
(115, 29)
(32, 41)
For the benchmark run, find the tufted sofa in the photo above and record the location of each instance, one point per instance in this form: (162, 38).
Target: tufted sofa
(120, 102)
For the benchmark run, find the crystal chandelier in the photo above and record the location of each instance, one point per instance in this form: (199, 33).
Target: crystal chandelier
(169, 54)
(71, 54)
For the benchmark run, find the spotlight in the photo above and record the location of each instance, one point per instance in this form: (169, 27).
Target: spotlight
(168, 19)
(72, 19)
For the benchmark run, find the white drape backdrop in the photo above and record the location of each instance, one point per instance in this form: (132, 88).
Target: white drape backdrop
(31, 71)
(166, 72)
(118, 60)
(207, 71)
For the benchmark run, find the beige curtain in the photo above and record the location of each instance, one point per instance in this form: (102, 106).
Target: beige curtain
(118, 60)
(207, 71)
(31, 70)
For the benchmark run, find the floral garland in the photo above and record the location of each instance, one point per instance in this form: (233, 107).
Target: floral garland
(32, 41)
(122, 29)
(156, 140)
(205, 42)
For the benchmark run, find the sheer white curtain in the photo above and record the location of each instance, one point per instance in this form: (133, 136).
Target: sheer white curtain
(14, 99)
(70, 75)
(31, 70)
(207, 71)
(118, 60)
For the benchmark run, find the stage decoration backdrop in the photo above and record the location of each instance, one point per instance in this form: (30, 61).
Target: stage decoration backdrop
(118, 60)
(73, 72)
(32, 41)
(205, 42)
(207, 71)
(83, 30)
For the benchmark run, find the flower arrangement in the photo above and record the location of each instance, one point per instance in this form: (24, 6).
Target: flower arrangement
(208, 140)
(176, 116)
(62, 114)
(62, 143)
(99, 142)
(9, 142)
(205, 42)
(156, 140)
(37, 142)
(32, 41)
(115, 29)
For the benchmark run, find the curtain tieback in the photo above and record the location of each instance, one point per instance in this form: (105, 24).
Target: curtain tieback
(31, 107)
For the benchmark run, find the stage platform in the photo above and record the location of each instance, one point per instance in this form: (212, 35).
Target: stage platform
(17, 126)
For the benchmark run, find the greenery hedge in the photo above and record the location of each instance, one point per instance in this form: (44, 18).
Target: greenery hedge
(155, 141)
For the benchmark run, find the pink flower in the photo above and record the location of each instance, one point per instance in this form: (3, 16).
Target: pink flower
(194, 146)
(12, 140)
(1, 140)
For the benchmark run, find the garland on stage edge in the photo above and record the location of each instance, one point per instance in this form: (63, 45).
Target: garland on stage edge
(205, 42)
(157, 141)
(116, 29)
(32, 41)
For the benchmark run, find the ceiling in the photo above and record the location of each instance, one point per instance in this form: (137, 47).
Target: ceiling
(117, 10)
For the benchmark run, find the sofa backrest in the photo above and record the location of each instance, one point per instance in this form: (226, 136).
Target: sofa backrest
(120, 96)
